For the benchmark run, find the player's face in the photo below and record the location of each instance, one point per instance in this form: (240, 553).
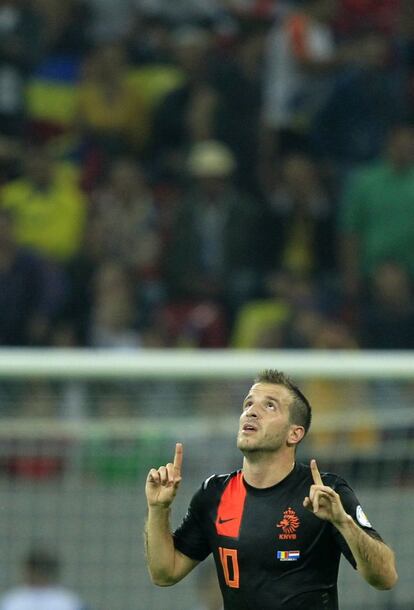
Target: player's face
(264, 422)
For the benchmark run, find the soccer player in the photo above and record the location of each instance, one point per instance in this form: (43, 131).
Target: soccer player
(276, 528)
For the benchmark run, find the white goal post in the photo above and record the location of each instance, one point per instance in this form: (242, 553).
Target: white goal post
(217, 366)
(202, 364)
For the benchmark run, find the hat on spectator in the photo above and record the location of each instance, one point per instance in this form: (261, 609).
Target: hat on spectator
(210, 159)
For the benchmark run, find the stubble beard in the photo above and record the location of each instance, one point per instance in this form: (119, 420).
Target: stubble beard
(270, 443)
(266, 446)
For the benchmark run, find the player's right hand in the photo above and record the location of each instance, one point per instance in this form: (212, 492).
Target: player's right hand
(162, 484)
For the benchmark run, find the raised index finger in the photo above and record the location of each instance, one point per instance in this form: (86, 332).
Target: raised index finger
(178, 458)
(316, 475)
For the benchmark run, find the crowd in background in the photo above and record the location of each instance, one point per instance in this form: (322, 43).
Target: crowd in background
(206, 173)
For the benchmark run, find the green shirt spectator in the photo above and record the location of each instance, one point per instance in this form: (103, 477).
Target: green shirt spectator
(377, 220)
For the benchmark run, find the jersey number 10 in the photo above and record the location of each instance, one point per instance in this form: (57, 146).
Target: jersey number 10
(230, 564)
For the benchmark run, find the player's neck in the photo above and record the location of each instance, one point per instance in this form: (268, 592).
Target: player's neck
(266, 469)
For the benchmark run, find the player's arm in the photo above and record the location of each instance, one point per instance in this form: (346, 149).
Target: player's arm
(375, 560)
(166, 564)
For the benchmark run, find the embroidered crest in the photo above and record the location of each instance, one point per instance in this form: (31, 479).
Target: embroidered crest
(289, 524)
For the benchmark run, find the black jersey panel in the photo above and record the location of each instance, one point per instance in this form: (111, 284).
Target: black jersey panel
(315, 600)
(189, 537)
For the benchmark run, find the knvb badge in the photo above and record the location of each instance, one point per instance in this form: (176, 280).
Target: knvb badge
(289, 523)
(288, 555)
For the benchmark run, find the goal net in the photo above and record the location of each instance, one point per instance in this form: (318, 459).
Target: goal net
(79, 431)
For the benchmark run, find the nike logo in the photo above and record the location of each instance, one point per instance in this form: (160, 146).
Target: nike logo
(220, 520)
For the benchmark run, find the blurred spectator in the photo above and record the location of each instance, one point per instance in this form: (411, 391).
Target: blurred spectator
(111, 114)
(51, 102)
(126, 225)
(301, 55)
(123, 232)
(238, 78)
(377, 221)
(369, 96)
(302, 234)
(216, 245)
(40, 589)
(125, 221)
(20, 48)
(190, 323)
(188, 113)
(260, 324)
(387, 320)
(32, 291)
(310, 328)
(47, 205)
(311, 314)
(295, 313)
(113, 315)
(334, 334)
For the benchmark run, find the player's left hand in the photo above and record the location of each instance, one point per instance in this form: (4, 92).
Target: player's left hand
(323, 501)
